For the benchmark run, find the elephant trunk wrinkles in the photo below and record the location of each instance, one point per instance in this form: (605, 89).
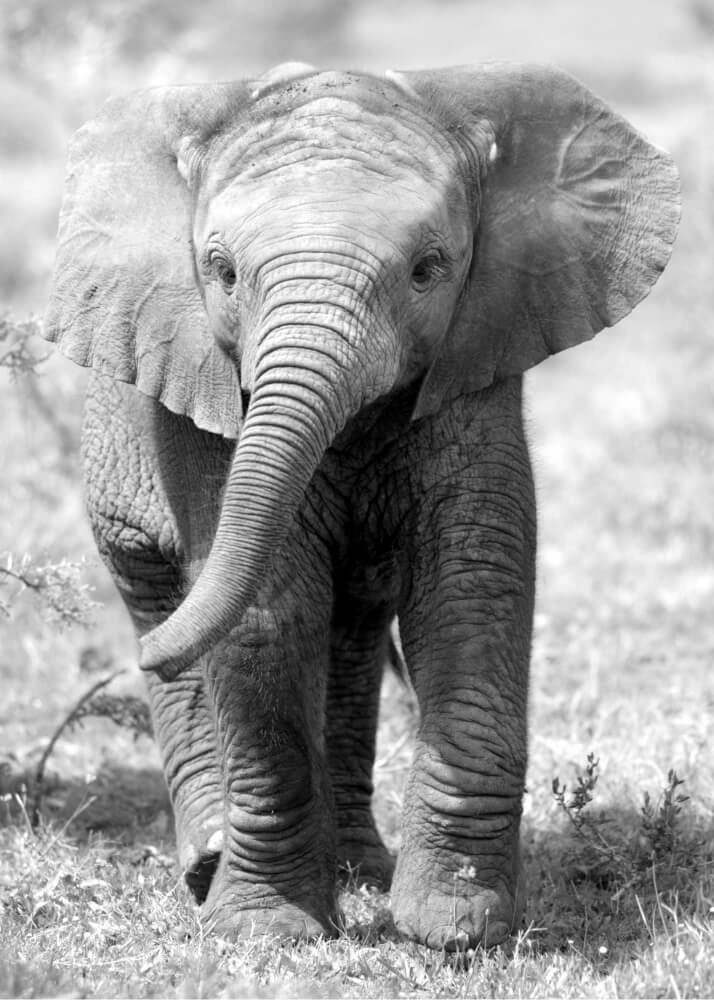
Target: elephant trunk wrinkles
(297, 407)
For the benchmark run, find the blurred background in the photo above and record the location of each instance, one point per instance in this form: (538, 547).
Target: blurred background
(622, 429)
(59, 61)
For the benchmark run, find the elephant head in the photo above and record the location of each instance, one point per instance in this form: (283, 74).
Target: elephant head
(310, 241)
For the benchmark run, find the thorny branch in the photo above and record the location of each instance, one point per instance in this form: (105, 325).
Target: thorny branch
(57, 584)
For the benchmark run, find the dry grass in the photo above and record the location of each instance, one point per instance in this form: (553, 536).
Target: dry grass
(623, 442)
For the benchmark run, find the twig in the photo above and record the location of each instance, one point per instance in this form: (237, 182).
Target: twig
(21, 578)
(68, 720)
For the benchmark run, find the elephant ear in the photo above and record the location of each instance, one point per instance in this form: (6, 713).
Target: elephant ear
(578, 215)
(125, 298)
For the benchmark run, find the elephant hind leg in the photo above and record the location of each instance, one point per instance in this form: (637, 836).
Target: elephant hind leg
(359, 653)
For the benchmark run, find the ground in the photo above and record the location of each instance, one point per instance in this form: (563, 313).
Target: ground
(621, 900)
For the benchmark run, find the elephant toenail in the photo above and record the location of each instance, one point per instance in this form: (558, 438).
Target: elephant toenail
(214, 845)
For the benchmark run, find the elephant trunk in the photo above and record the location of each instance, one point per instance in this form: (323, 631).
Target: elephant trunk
(301, 399)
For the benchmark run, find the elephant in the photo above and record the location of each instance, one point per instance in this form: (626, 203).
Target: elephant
(308, 301)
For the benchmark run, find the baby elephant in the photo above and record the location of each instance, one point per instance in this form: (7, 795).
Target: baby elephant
(308, 301)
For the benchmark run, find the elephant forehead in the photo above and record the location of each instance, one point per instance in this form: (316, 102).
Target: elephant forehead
(330, 207)
(326, 132)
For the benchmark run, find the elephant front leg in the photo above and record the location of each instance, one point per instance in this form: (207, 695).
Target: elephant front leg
(183, 723)
(360, 647)
(184, 729)
(153, 488)
(277, 870)
(466, 635)
(148, 579)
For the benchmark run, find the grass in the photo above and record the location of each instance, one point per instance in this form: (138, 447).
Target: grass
(110, 918)
(620, 888)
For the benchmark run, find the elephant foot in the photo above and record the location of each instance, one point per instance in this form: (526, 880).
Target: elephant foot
(362, 859)
(243, 904)
(453, 917)
(282, 920)
(199, 859)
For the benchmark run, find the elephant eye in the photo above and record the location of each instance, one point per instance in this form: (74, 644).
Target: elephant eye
(223, 267)
(429, 267)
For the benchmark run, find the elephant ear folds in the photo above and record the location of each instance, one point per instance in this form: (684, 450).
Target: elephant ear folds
(125, 299)
(578, 215)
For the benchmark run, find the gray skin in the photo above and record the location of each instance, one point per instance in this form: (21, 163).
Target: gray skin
(325, 288)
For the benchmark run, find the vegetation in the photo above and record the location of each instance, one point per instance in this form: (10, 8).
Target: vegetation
(618, 838)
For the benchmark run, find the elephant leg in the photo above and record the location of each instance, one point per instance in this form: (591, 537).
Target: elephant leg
(465, 626)
(360, 649)
(267, 684)
(185, 732)
(145, 513)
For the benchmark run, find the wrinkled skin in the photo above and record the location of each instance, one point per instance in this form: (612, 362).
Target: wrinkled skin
(325, 288)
